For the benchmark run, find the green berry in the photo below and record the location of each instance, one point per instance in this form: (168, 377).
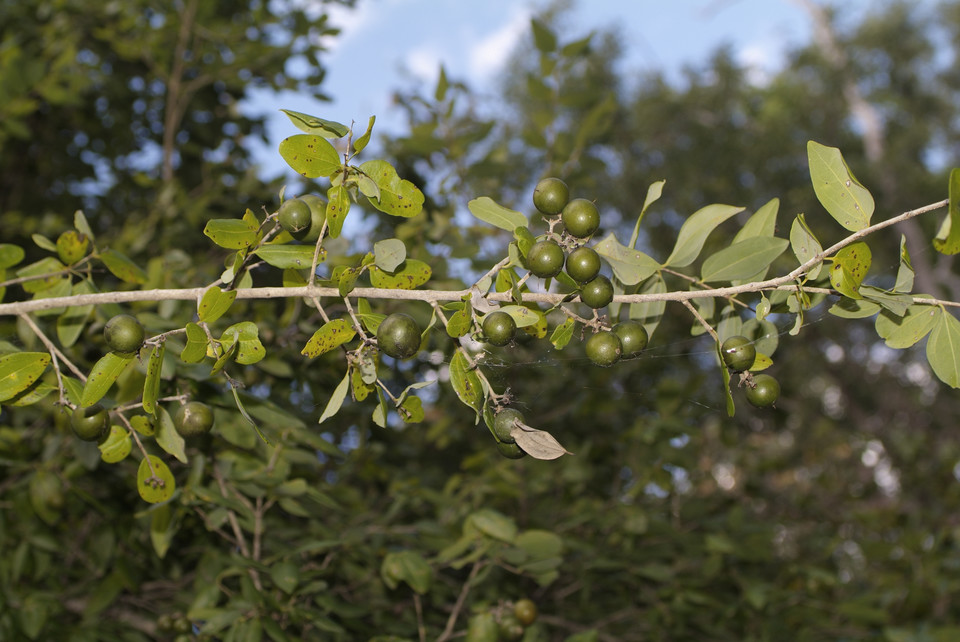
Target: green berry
(583, 264)
(598, 292)
(398, 336)
(295, 217)
(503, 423)
(193, 418)
(123, 333)
(738, 353)
(510, 451)
(550, 196)
(545, 259)
(604, 348)
(763, 391)
(580, 217)
(633, 337)
(90, 424)
(499, 328)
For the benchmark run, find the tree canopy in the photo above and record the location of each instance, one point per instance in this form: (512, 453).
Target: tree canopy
(265, 449)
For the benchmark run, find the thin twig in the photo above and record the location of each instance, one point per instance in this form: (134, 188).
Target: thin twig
(703, 322)
(458, 606)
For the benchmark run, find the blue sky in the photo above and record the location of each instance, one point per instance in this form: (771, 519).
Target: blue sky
(388, 44)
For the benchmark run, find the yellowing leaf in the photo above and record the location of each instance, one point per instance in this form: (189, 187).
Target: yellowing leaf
(102, 375)
(154, 480)
(332, 334)
(19, 370)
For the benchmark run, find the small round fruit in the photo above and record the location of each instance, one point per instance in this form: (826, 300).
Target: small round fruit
(499, 328)
(583, 264)
(581, 217)
(503, 423)
(510, 451)
(550, 196)
(598, 292)
(525, 611)
(399, 336)
(764, 391)
(123, 333)
(295, 216)
(604, 348)
(90, 424)
(633, 337)
(545, 259)
(193, 418)
(738, 353)
(318, 216)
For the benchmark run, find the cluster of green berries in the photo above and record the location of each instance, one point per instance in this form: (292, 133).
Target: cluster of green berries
(124, 334)
(303, 217)
(581, 219)
(739, 355)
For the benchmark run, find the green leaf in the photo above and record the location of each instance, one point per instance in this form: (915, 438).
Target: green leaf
(903, 331)
(943, 349)
(81, 225)
(805, 245)
(338, 206)
(285, 575)
(10, 255)
(315, 125)
(398, 196)
(116, 446)
(161, 533)
(409, 567)
(947, 240)
(102, 375)
(523, 315)
(465, 382)
(492, 524)
(36, 392)
(694, 232)
(411, 410)
(214, 304)
(44, 243)
(850, 266)
(460, 321)
(196, 348)
(155, 485)
(379, 416)
(331, 335)
(411, 275)
(629, 266)
(151, 385)
(389, 254)
(310, 156)
(854, 309)
(743, 259)
(19, 370)
(653, 194)
(33, 614)
(287, 257)
(482, 627)
(231, 233)
(563, 333)
(122, 267)
(70, 324)
(905, 272)
(489, 211)
(895, 302)
(364, 139)
(246, 335)
(336, 399)
(544, 39)
(725, 379)
(46, 266)
(763, 222)
(168, 438)
(844, 198)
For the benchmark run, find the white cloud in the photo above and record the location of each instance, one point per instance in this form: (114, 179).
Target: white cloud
(762, 60)
(422, 62)
(489, 55)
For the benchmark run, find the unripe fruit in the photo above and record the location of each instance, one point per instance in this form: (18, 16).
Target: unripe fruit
(510, 451)
(738, 353)
(510, 628)
(318, 216)
(499, 328)
(525, 611)
(545, 259)
(398, 336)
(604, 348)
(580, 217)
(633, 337)
(503, 423)
(598, 292)
(90, 424)
(763, 391)
(550, 196)
(123, 333)
(583, 264)
(193, 418)
(294, 216)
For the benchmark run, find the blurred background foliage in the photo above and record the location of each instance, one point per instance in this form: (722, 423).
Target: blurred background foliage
(833, 516)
